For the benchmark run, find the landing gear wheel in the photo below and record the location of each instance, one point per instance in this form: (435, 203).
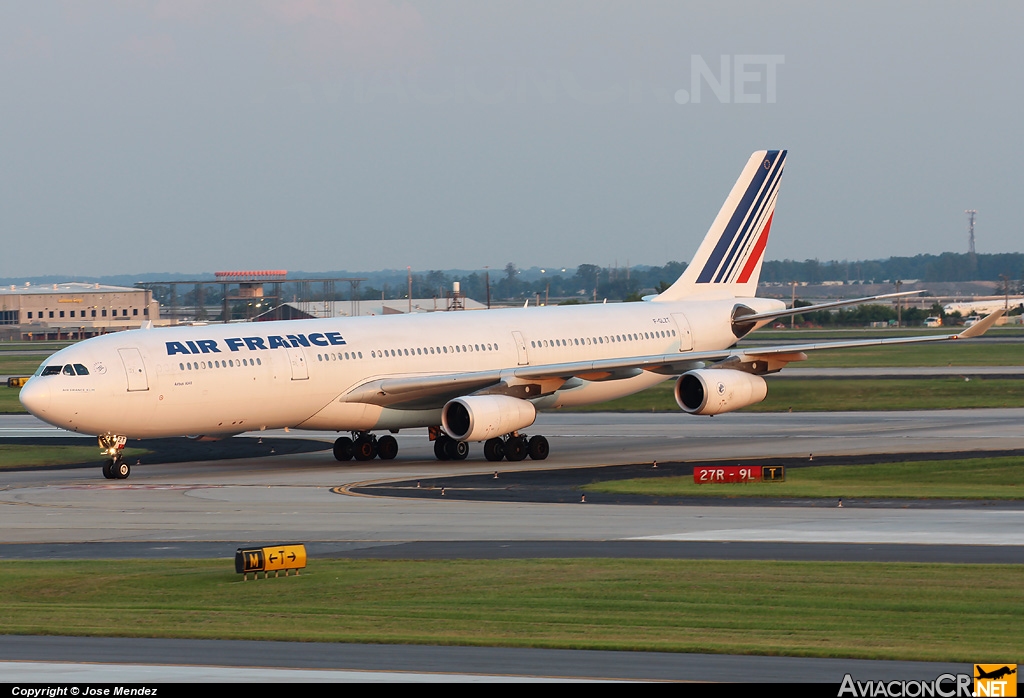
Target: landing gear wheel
(387, 447)
(364, 448)
(494, 449)
(108, 470)
(343, 448)
(456, 450)
(121, 470)
(515, 448)
(439, 447)
(538, 448)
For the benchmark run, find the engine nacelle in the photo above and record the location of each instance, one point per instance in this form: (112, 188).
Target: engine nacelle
(481, 417)
(717, 390)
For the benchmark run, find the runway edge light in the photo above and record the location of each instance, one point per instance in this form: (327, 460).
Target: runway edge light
(270, 558)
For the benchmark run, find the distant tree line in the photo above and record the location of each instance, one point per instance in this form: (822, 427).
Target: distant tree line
(590, 282)
(948, 266)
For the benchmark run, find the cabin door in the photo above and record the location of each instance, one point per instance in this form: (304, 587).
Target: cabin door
(685, 336)
(524, 358)
(297, 359)
(135, 369)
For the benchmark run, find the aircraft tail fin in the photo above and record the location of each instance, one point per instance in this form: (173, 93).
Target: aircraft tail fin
(728, 262)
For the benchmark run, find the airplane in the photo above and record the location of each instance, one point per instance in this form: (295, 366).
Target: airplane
(994, 674)
(477, 376)
(966, 308)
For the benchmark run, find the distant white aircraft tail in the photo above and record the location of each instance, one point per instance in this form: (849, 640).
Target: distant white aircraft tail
(728, 262)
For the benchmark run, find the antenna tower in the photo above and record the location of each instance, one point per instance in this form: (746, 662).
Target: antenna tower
(971, 213)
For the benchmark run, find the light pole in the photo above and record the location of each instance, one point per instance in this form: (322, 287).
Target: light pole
(899, 306)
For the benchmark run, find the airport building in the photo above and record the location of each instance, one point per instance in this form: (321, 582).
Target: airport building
(73, 310)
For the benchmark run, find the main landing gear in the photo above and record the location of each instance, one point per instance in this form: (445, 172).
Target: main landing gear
(513, 447)
(112, 446)
(365, 446)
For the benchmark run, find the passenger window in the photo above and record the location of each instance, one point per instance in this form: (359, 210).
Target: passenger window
(81, 370)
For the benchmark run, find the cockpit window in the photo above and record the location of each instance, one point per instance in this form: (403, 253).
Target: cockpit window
(81, 370)
(68, 370)
(52, 370)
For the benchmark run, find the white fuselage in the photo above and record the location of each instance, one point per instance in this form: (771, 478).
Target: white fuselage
(227, 379)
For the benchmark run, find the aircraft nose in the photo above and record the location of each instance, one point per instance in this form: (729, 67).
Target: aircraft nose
(35, 396)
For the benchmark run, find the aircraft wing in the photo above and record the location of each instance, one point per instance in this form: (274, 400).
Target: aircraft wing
(822, 306)
(433, 391)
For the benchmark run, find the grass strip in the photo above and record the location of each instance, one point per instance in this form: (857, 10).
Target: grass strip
(975, 478)
(865, 610)
(805, 395)
(914, 355)
(17, 456)
(19, 365)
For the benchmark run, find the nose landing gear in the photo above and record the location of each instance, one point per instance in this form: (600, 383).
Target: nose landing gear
(112, 446)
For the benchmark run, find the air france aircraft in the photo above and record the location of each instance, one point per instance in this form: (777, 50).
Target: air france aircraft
(468, 376)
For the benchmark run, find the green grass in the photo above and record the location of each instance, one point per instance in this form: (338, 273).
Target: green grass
(893, 611)
(34, 346)
(15, 456)
(840, 395)
(9, 400)
(976, 478)
(20, 365)
(958, 353)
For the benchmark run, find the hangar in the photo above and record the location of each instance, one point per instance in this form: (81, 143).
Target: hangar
(73, 310)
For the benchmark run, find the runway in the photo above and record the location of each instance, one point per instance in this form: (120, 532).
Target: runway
(215, 501)
(216, 505)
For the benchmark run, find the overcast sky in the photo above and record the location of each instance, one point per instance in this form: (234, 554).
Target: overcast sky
(178, 135)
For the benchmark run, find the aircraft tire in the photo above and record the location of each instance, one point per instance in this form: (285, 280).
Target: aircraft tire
(108, 470)
(343, 448)
(387, 447)
(122, 470)
(364, 448)
(538, 448)
(515, 448)
(439, 447)
(494, 449)
(456, 450)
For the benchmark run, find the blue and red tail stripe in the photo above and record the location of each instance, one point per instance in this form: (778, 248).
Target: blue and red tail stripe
(743, 241)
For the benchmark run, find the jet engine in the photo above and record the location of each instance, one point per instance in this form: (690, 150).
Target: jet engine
(717, 390)
(482, 417)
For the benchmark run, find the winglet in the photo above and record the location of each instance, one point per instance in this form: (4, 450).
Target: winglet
(981, 327)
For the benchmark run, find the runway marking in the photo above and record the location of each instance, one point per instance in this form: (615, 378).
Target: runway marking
(96, 672)
(844, 536)
(140, 487)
